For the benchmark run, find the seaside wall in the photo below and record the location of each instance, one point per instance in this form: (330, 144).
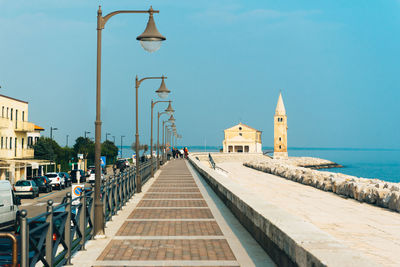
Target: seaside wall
(372, 191)
(289, 240)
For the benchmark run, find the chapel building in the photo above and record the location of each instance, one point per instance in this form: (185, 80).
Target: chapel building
(242, 139)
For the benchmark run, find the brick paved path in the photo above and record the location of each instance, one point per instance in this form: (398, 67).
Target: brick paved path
(171, 226)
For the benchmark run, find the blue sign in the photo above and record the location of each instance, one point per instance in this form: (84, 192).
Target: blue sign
(103, 161)
(78, 191)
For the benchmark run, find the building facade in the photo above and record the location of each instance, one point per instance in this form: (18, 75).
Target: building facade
(16, 153)
(242, 139)
(280, 130)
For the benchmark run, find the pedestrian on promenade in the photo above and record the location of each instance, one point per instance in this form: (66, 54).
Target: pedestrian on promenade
(186, 152)
(173, 152)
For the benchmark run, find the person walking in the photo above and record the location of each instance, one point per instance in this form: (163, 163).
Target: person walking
(186, 152)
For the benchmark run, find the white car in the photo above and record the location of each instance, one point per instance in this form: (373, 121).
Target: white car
(92, 177)
(56, 180)
(8, 205)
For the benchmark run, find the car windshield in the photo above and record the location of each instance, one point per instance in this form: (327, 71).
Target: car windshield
(23, 183)
(51, 175)
(39, 181)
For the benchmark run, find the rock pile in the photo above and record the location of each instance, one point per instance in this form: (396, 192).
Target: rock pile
(372, 191)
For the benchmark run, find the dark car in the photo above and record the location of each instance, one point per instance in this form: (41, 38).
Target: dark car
(68, 180)
(43, 183)
(74, 178)
(121, 164)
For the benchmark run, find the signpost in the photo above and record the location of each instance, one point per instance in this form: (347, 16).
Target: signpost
(76, 192)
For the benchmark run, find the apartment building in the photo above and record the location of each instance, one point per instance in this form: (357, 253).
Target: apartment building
(17, 136)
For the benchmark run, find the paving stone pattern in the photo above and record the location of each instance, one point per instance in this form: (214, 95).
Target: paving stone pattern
(171, 223)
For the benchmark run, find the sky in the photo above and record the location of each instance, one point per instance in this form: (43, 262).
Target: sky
(336, 63)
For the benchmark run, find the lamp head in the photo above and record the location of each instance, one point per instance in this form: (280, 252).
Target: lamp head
(171, 119)
(163, 90)
(151, 38)
(169, 109)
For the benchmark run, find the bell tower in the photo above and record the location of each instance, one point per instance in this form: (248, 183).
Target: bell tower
(280, 130)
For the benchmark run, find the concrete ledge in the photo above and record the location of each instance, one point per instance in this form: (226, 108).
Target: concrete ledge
(288, 240)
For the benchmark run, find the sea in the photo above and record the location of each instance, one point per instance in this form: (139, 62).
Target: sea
(383, 164)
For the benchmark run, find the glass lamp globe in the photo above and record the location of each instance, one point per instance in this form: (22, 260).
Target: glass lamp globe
(151, 38)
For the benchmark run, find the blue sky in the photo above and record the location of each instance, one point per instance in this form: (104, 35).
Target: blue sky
(336, 63)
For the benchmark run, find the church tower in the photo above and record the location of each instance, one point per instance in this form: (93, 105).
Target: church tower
(280, 130)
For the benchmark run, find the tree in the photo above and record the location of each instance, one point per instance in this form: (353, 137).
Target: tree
(84, 146)
(48, 149)
(110, 150)
(44, 149)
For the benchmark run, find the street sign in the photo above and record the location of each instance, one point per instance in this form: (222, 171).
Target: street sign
(80, 156)
(103, 161)
(76, 192)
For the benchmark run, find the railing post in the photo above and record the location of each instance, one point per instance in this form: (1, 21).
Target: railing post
(82, 219)
(109, 197)
(24, 238)
(92, 215)
(104, 195)
(49, 235)
(67, 231)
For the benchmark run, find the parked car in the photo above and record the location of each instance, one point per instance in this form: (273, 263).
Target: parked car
(74, 178)
(8, 207)
(92, 177)
(56, 180)
(43, 183)
(122, 164)
(67, 178)
(26, 188)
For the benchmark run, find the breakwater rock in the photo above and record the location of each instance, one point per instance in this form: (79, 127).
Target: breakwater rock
(372, 191)
(309, 162)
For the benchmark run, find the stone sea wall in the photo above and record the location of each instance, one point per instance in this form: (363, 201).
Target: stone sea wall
(372, 191)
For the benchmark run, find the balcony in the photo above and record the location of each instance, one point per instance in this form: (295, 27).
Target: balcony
(24, 126)
(28, 153)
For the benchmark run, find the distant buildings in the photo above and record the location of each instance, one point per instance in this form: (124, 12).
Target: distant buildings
(242, 139)
(17, 136)
(280, 130)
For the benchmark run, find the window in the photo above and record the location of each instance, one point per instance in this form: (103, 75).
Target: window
(10, 142)
(23, 115)
(2, 142)
(280, 139)
(36, 139)
(6, 142)
(22, 143)
(11, 113)
(240, 128)
(280, 147)
(240, 134)
(2, 111)
(7, 113)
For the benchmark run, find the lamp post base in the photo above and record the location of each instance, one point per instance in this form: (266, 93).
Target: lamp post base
(98, 220)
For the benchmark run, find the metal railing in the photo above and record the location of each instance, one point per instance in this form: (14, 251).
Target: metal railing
(52, 237)
(212, 162)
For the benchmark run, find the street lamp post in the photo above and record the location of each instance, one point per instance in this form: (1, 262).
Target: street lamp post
(169, 110)
(151, 132)
(150, 40)
(113, 139)
(51, 131)
(86, 132)
(122, 136)
(162, 93)
(67, 140)
(107, 134)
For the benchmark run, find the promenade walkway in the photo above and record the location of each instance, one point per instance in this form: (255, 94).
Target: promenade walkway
(176, 221)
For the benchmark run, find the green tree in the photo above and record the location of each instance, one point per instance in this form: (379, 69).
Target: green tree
(44, 149)
(110, 150)
(85, 146)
